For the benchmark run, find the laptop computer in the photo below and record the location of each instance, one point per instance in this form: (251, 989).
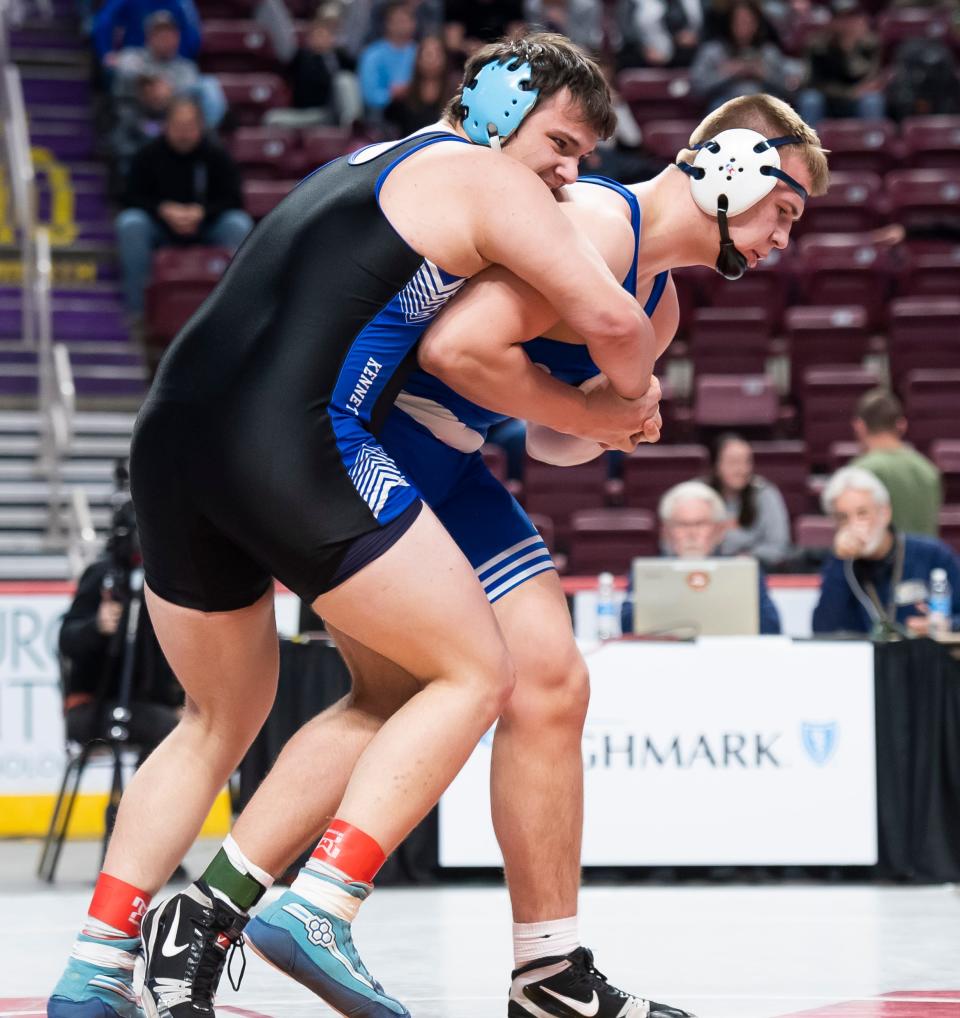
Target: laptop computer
(696, 597)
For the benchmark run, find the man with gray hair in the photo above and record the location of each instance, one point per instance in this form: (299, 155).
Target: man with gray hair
(877, 580)
(693, 522)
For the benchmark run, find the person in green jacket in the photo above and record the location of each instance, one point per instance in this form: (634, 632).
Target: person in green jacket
(914, 483)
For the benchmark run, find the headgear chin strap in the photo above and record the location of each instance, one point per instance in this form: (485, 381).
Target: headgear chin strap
(497, 102)
(731, 173)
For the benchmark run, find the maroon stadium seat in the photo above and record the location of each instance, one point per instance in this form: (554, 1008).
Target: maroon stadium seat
(767, 286)
(262, 196)
(899, 24)
(181, 280)
(802, 28)
(931, 403)
(950, 526)
(609, 539)
(945, 452)
(269, 152)
(858, 145)
(824, 336)
(846, 268)
(735, 401)
(929, 270)
(814, 532)
(932, 142)
(924, 332)
(828, 398)
(729, 340)
(853, 203)
(785, 465)
(558, 492)
(665, 138)
(841, 453)
(654, 94)
(236, 46)
(322, 144)
(925, 199)
(251, 95)
(651, 469)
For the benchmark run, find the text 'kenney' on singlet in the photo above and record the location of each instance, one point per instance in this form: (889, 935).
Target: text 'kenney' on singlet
(305, 342)
(462, 424)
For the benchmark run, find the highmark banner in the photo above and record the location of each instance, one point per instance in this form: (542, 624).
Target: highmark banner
(731, 751)
(32, 749)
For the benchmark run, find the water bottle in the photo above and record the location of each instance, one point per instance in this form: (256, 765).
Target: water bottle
(608, 620)
(940, 603)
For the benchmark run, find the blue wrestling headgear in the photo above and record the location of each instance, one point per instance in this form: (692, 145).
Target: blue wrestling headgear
(731, 173)
(497, 102)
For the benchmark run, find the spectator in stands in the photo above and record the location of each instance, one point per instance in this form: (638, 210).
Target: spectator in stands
(324, 89)
(139, 119)
(471, 23)
(876, 581)
(664, 33)
(758, 522)
(127, 18)
(846, 78)
(430, 88)
(92, 656)
(744, 59)
(579, 20)
(912, 481)
(386, 66)
(183, 189)
(693, 521)
(159, 60)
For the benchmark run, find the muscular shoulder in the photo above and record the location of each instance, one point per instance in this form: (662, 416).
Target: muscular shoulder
(609, 232)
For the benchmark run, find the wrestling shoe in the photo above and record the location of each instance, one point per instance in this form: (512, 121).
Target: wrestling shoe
(316, 948)
(186, 942)
(570, 987)
(98, 981)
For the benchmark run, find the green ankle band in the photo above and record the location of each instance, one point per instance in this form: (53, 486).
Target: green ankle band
(242, 889)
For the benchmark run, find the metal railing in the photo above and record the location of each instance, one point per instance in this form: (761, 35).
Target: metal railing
(57, 394)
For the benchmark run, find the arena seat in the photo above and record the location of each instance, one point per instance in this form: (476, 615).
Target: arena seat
(846, 268)
(950, 526)
(932, 142)
(813, 532)
(251, 95)
(236, 46)
(322, 144)
(925, 199)
(928, 270)
(727, 341)
(854, 202)
(897, 24)
(820, 335)
(609, 539)
(945, 453)
(269, 152)
(784, 463)
(860, 145)
(655, 94)
(743, 401)
(262, 196)
(558, 492)
(665, 138)
(651, 469)
(841, 453)
(924, 332)
(180, 282)
(931, 403)
(767, 286)
(828, 398)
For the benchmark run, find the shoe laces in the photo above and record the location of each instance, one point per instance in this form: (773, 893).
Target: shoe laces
(212, 960)
(587, 975)
(364, 971)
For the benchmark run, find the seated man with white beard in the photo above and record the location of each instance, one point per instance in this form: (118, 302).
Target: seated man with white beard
(878, 578)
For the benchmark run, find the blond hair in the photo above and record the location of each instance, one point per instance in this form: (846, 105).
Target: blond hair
(773, 118)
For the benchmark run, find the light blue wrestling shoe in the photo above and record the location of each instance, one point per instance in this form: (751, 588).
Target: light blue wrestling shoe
(98, 981)
(317, 950)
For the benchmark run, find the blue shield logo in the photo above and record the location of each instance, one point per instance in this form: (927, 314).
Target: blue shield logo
(820, 740)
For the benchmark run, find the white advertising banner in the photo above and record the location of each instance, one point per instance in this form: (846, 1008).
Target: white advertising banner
(730, 751)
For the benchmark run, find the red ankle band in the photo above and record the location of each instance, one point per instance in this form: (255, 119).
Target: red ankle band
(118, 905)
(349, 850)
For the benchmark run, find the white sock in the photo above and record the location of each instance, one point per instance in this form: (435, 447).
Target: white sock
(544, 940)
(241, 863)
(326, 895)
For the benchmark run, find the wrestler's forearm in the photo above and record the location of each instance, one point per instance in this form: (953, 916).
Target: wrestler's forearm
(628, 360)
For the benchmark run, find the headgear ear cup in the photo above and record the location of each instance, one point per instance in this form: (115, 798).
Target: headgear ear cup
(497, 101)
(730, 174)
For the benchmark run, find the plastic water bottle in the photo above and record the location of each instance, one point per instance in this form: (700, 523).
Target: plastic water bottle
(608, 621)
(940, 603)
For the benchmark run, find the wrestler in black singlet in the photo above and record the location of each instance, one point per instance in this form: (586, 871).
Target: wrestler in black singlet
(253, 455)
